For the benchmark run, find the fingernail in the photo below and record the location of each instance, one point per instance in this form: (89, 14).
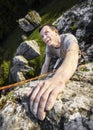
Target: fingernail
(47, 107)
(41, 117)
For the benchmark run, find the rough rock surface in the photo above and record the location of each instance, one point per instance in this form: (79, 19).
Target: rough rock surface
(30, 21)
(73, 109)
(20, 66)
(27, 50)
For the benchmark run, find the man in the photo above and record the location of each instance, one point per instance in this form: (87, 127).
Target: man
(43, 96)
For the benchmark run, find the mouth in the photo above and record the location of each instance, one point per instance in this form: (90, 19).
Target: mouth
(48, 42)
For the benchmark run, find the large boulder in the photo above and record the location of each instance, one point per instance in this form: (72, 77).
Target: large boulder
(73, 109)
(19, 68)
(19, 60)
(30, 21)
(29, 49)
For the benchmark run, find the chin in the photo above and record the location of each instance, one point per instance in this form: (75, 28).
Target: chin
(50, 44)
(57, 46)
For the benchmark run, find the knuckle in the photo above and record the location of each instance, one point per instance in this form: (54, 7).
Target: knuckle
(46, 82)
(32, 98)
(43, 98)
(53, 93)
(36, 100)
(40, 83)
(49, 102)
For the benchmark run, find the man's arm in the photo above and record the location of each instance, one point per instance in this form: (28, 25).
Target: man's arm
(69, 64)
(44, 95)
(46, 64)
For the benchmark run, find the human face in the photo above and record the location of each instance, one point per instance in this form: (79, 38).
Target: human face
(50, 37)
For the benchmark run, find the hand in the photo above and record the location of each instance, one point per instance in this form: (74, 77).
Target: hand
(43, 97)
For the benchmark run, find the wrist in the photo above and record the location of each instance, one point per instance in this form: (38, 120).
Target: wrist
(59, 79)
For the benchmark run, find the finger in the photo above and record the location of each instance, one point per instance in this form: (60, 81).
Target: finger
(43, 101)
(41, 114)
(30, 92)
(52, 98)
(33, 95)
(38, 98)
(41, 108)
(32, 88)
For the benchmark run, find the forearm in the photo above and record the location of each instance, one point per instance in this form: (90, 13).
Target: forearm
(68, 67)
(44, 69)
(45, 65)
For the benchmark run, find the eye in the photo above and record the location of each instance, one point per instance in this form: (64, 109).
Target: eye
(42, 36)
(46, 32)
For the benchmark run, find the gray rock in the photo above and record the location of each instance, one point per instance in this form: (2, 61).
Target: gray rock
(29, 49)
(73, 109)
(19, 60)
(18, 72)
(84, 73)
(90, 51)
(25, 25)
(33, 17)
(30, 21)
(26, 51)
(19, 68)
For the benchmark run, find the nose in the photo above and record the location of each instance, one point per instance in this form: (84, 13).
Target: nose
(44, 38)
